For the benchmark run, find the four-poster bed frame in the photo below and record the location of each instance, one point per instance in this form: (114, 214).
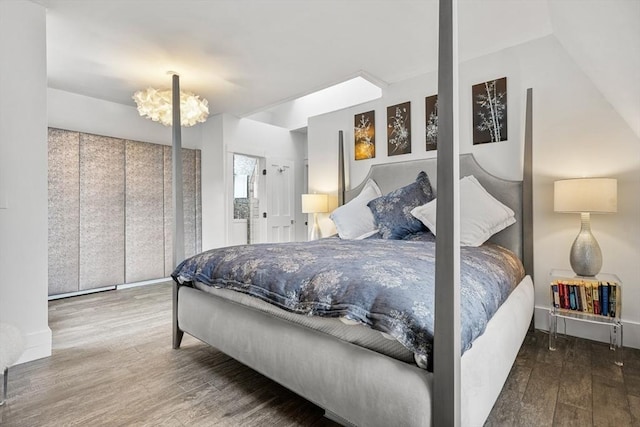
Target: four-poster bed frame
(357, 386)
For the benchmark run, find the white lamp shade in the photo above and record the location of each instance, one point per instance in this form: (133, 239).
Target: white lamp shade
(315, 203)
(593, 195)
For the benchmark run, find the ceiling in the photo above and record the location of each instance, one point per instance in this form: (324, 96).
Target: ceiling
(247, 55)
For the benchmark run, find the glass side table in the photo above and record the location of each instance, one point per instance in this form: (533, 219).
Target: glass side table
(595, 300)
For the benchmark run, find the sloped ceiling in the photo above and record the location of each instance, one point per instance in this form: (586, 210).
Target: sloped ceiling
(603, 38)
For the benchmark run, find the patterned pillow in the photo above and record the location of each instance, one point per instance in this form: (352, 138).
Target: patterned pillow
(393, 211)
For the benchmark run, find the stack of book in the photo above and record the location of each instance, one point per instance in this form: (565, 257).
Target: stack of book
(592, 297)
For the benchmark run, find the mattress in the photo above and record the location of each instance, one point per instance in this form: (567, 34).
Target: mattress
(357, 334)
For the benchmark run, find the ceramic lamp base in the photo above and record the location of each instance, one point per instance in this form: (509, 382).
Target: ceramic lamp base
(585, 256)
(316, 233)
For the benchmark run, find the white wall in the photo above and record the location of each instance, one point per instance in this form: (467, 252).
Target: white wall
(23, 174)
(576, 133)
(81, 113)
(253, 138)
(496, 157)
(214, 234)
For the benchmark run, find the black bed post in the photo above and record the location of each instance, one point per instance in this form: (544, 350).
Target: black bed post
(341, 180)
(446, 341)
(178, 209)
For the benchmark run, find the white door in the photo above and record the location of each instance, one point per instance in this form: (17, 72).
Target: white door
(279, 215)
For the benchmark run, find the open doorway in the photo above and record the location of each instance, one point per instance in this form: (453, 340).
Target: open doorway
(245, 227)
(263, 203)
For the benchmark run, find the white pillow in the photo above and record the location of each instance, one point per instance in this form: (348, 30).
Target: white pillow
(481, 215)
(354, 220)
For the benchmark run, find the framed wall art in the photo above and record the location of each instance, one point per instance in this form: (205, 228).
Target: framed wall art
(431, 122)
(364, 134)
(399, 129)
(489, 111)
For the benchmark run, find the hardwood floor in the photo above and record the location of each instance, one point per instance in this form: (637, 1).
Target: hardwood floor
(576, 385)
(112, 364)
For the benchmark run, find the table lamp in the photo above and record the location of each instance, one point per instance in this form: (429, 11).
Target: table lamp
(586, 196)
(315, 204)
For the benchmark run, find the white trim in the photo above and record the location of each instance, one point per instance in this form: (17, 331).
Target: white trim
(143, 283)
(110, 288)
(83, 292)
(37, 346)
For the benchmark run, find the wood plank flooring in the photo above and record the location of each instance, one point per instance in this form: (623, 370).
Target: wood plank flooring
(576, 385)
(112, 364)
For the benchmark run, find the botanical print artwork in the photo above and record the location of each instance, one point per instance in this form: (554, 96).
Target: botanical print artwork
(364, 132)
(399, 129)
(431, 128)
(490, 111)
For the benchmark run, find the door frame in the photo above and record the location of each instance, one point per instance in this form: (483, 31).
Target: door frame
(229, 190)
(292, 202)
(262, 191)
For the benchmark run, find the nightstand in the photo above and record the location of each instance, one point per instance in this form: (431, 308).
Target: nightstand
(595, 300)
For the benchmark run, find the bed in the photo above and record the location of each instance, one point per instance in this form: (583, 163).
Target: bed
(355, 373)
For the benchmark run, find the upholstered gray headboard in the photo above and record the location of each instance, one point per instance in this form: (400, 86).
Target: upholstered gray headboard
(390, 176)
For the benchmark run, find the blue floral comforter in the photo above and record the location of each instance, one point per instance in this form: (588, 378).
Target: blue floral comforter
(385, 284)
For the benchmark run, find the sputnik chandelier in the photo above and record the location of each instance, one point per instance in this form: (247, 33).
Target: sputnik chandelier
(155, 104)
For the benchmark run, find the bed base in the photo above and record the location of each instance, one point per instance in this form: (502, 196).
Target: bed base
(354, 385)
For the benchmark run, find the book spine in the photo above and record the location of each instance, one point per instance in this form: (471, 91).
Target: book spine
(572, 297)
(560, 292)
(583, 297)
(567, 304)
(605, 299)
(555, 296)
(596, 299)
(612, 299)
(589, 295)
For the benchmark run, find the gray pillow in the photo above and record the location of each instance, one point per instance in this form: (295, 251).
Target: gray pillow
(392, 212)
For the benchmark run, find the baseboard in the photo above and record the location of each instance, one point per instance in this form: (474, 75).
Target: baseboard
(110, 288)
(631, 330)
(79, 293)
(36, 346)
(337, 419)
(144, 283)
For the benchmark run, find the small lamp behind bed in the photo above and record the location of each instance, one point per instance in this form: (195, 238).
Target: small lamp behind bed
(586, 196)
(315, 204)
